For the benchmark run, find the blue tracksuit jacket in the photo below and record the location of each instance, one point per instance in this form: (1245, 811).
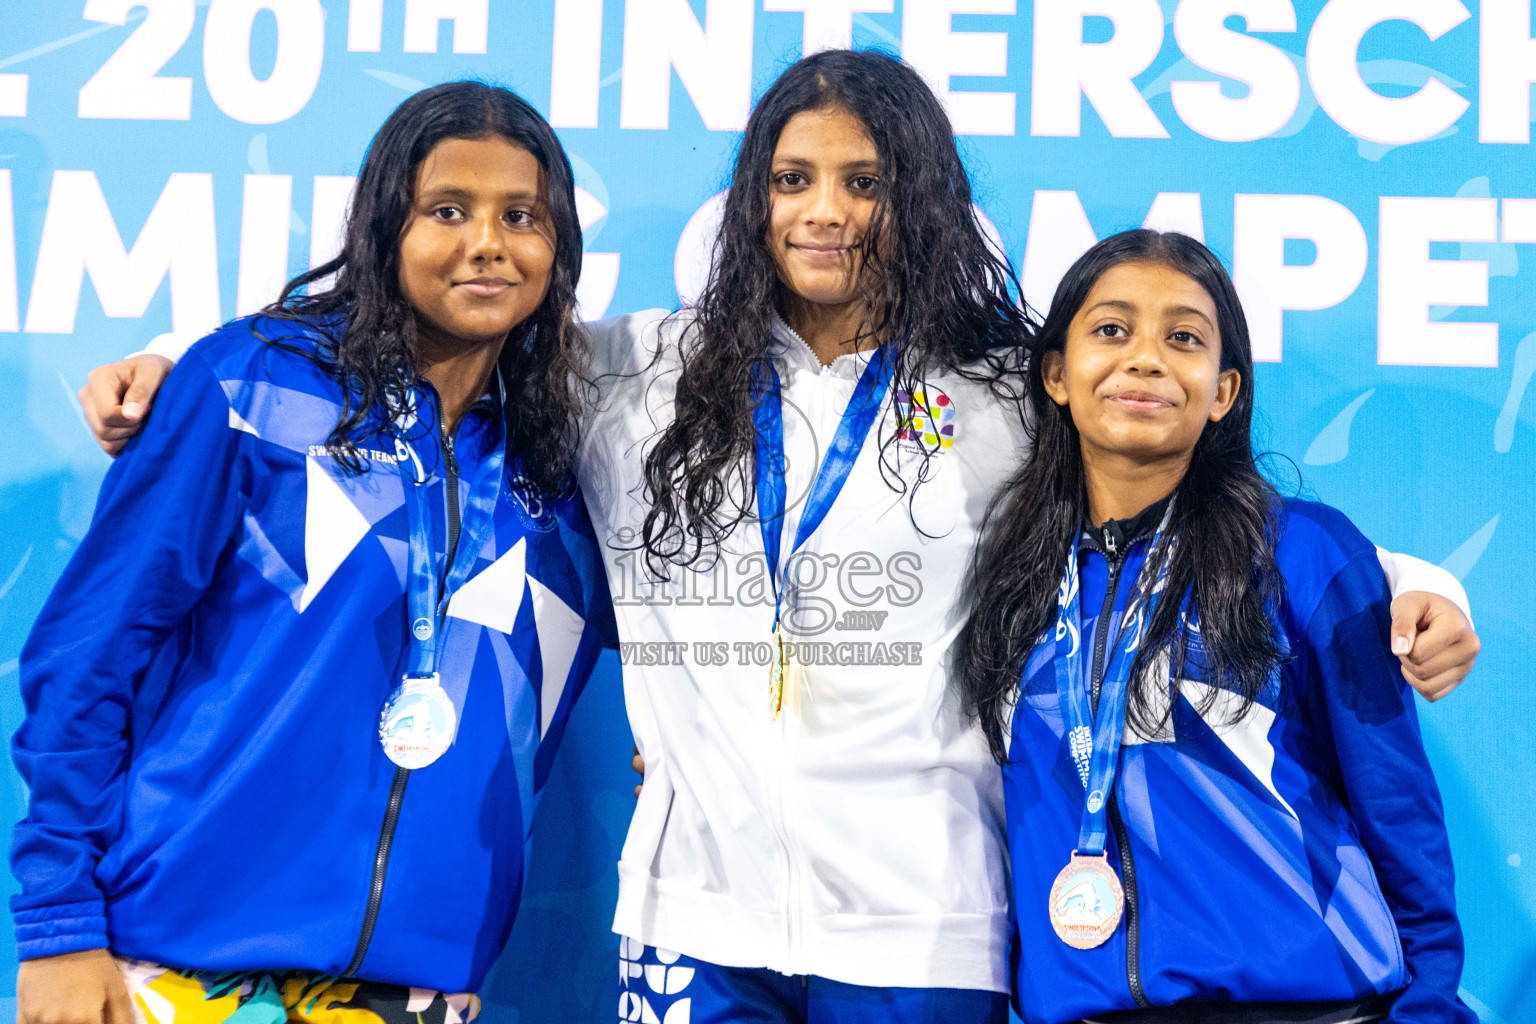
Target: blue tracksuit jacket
(203, 691)
(1299, 854)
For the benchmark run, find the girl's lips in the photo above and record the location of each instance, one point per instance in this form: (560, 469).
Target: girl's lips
(821, 252)
(1141, 401)
(486, 287)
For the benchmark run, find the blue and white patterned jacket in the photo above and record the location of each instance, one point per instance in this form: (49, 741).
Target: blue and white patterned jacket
(1298, 854)
(203, 691)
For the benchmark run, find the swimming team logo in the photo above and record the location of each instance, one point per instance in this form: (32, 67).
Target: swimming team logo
(925, 417)
(532, 508)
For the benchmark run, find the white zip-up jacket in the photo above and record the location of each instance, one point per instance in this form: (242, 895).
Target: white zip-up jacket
(858, 837)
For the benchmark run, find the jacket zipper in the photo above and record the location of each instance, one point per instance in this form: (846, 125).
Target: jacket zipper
(794, 897)
(1101, 632)
(1117, 826)
(1132, 919)
(380, 863)
(783, 795)
(403, 775)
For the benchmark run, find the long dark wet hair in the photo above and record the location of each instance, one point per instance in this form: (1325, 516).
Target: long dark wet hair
(1223, 514)
(374, 354)
(930, 278)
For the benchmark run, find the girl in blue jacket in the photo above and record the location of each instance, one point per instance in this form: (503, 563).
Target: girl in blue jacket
(290, 706)
(1218, 803)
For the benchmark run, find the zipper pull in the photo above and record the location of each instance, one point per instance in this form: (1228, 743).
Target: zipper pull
(448, 453)
(1110, 544)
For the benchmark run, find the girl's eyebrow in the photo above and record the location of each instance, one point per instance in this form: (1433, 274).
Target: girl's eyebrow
(1116, 304)
(1129, 307)
(852, 165)
(456, 192)
(1190, 311)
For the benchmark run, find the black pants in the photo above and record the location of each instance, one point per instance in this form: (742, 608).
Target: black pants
(1364, 1011)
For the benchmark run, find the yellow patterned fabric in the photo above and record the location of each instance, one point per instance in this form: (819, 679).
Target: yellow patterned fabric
(164, 995)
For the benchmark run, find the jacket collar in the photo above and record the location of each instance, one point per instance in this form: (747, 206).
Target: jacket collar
(793, 351)
(1116, 535)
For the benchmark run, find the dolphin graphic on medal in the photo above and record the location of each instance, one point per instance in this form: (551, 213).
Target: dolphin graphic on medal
(417, 723)
(1086, 901)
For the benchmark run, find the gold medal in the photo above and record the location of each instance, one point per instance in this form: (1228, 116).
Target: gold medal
(776, 676)
(1086, 901)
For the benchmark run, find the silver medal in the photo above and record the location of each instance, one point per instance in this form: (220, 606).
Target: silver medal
(418, 723)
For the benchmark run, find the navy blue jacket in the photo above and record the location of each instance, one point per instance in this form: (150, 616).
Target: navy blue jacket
(1298, 854)
(203, 690)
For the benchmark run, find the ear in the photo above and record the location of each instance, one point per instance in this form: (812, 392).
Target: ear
(1053, 370)
(1226, 394)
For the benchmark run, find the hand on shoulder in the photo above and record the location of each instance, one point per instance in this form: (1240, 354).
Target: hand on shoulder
(1434, 641)
(117, 398)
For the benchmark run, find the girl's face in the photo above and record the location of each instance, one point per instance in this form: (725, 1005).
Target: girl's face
(825, 180)
(1141, 371)
(478, 246)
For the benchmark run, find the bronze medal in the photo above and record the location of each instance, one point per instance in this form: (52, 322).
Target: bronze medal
(1086, 901)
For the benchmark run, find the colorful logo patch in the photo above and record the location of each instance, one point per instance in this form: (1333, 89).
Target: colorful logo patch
(927, 416)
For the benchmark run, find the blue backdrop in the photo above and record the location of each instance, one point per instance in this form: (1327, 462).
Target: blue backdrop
(1365, 164)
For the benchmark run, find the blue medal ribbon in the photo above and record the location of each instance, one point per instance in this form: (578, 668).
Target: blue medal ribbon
(426, 600)
(1094, 741)
(772, 489)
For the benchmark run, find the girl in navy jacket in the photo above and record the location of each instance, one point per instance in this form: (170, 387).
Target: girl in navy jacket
(1217, 796)
(290, 706)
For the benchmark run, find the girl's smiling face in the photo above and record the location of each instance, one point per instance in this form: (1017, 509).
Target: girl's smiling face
(825, 183)
(478, 247)
(1141, 371)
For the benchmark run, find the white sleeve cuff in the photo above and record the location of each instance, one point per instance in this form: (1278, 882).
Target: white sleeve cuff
(167, 346)
(1406, 573)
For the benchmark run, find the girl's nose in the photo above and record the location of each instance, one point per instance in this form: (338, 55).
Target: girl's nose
(486, 242)
(825, 206)
(1144, 356)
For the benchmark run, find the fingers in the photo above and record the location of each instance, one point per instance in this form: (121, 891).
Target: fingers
(1443, 649)
(1456, 657)
(638, 763)
(1439, 675)
(1407, 611)
(100, 399)
(1441, 627)
(151, 372)
(117, 397)
(1435, 687)
(113, 440)
(119, 1003)
(1443, 632)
